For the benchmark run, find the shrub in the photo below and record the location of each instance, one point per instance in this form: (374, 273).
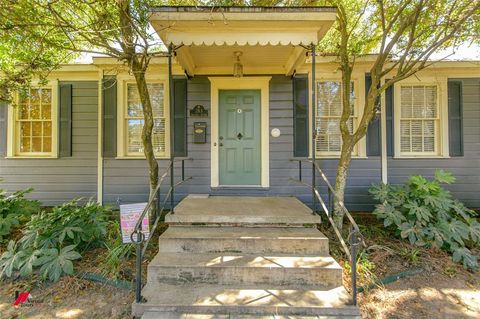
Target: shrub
(14, 210)
(53, 238)
(427, 214)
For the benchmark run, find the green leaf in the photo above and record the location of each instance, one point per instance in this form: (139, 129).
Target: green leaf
(475, 231)
(465, 255)
(444, 177)
(459, 231)
(421, 212)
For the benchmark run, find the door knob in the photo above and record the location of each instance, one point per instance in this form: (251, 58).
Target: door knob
(239, 136)
(220, 144)
(220, 138)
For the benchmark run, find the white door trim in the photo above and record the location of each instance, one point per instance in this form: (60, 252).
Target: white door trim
(244, 83)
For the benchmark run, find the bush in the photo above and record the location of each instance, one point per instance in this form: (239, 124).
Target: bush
(14, 210)
(53, 238)
(427, 214)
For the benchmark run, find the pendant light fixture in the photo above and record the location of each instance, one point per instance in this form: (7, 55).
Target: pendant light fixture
(237, 67)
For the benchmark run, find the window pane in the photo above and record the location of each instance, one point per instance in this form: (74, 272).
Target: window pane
(36, 128)
(47, 144)
(24, 112)
(134, 143)
(429, 144)
(25, 129)
(329, 110)
(35, 111)
(46, 96)
(25, 144)
(134, 105)
(36, 144)
(431, 101)
(46, 111)
(156, 96)
(329, 99)
(405, 144)
(47, 129)
(159, 136)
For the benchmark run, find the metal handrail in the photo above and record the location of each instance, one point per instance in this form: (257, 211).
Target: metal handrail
(137, 237)
(355, 237)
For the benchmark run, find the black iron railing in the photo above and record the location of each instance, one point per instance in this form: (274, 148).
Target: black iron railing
(355, 237)
(137, 237)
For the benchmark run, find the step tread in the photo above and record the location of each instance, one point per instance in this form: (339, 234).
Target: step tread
(242, 260)
(162, 315)
(222, 296)
(241, 233)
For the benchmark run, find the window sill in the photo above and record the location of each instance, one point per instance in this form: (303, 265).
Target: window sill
(133, 157)
(320, 157)
(421, 157)
(32, 157)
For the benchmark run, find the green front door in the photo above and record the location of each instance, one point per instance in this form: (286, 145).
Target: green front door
(239, 138)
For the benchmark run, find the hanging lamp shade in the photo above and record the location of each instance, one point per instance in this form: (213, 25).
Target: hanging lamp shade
(237, 66)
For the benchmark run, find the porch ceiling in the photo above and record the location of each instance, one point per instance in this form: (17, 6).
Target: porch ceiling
(270, 39)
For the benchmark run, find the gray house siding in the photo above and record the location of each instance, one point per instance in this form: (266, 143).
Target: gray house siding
(466, 168)
(56, 181)
(125, 180)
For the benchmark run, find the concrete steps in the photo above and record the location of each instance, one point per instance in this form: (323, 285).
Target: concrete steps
(228, 269)
(252, 240)
(242, 257)
(245, 211)
(204, 301)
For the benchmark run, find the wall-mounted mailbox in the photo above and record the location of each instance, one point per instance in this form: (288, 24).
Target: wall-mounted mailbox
(200, 132)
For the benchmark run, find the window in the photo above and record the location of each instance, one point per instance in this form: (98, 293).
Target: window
(34, 123)
(419, 120)
(134, 120)
(328, 113)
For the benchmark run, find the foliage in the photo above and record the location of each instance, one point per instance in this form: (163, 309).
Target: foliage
(54, 238)
(25, 52)
(427, 214)
(15, 209)
(117, 251)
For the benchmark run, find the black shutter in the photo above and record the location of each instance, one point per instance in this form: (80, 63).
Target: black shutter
(300, 116)
(389, 105)
(3, 128)
(455, 118)
(373, 132)
(65, 120)
(109, 146)
(180, 117)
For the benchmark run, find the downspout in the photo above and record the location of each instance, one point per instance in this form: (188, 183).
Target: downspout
(383, 137)
(100, 139)
(171, 117)
(314, 133)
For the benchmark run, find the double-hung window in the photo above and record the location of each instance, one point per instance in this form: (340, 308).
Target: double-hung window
(327, 115)
(419, 123)
(34, 123)
(133, 120)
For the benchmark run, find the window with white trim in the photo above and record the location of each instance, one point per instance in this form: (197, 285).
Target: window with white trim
(328, 114)
(133, 118)
(34, 120)
(419, 120)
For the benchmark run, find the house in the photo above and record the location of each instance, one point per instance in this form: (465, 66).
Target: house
(237, 115)
(81, 137)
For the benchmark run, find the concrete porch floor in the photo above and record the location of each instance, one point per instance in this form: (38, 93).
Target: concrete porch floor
(196, 209)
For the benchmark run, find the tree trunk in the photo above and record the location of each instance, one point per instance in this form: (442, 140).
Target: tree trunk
(341, 181)
(147, 127)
